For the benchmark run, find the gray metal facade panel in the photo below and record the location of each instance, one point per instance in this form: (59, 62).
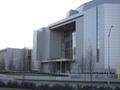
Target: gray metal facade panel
(101, 63)
(79, 44)
(112, 17)
(94, 3)
(90, 41)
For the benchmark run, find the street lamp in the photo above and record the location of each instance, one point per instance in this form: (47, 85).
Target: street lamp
(109, 34)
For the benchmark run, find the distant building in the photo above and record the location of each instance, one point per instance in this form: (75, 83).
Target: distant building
(13, 59)
(79, 43)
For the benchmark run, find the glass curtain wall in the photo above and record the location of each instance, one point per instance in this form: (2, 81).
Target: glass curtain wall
(70, 44)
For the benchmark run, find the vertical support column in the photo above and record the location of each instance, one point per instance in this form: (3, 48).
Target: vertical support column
(61, 67)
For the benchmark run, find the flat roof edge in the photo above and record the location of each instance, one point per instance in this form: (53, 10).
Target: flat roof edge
(65, 20)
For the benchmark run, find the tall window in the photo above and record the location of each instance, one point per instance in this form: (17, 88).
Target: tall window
(68, 44)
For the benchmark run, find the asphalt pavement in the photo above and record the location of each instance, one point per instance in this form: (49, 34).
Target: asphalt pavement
(13, 89)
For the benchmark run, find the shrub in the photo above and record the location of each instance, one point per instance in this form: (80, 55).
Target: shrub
(87, 88)
(117, 88)
(68, 87)
(12, 84)
(2, 84)
(58, 87)
(79, 87)
(27, 85)
(104, 88)
(43, 87)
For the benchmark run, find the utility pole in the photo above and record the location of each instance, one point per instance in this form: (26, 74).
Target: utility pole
(109, 34)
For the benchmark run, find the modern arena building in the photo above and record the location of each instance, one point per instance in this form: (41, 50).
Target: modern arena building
(87, 40)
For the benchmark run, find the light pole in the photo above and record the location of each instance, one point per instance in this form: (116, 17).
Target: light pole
(109, 34)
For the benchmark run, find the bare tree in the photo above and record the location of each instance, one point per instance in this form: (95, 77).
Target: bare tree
(20, 66)
(90, 63)
(11, 65)
(2, 64)
(82, 66)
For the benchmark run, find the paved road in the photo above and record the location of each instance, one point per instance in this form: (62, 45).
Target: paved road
(6, 89)
(13, 89)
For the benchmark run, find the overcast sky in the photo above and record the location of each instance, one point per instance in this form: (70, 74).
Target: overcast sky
(19, 18)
